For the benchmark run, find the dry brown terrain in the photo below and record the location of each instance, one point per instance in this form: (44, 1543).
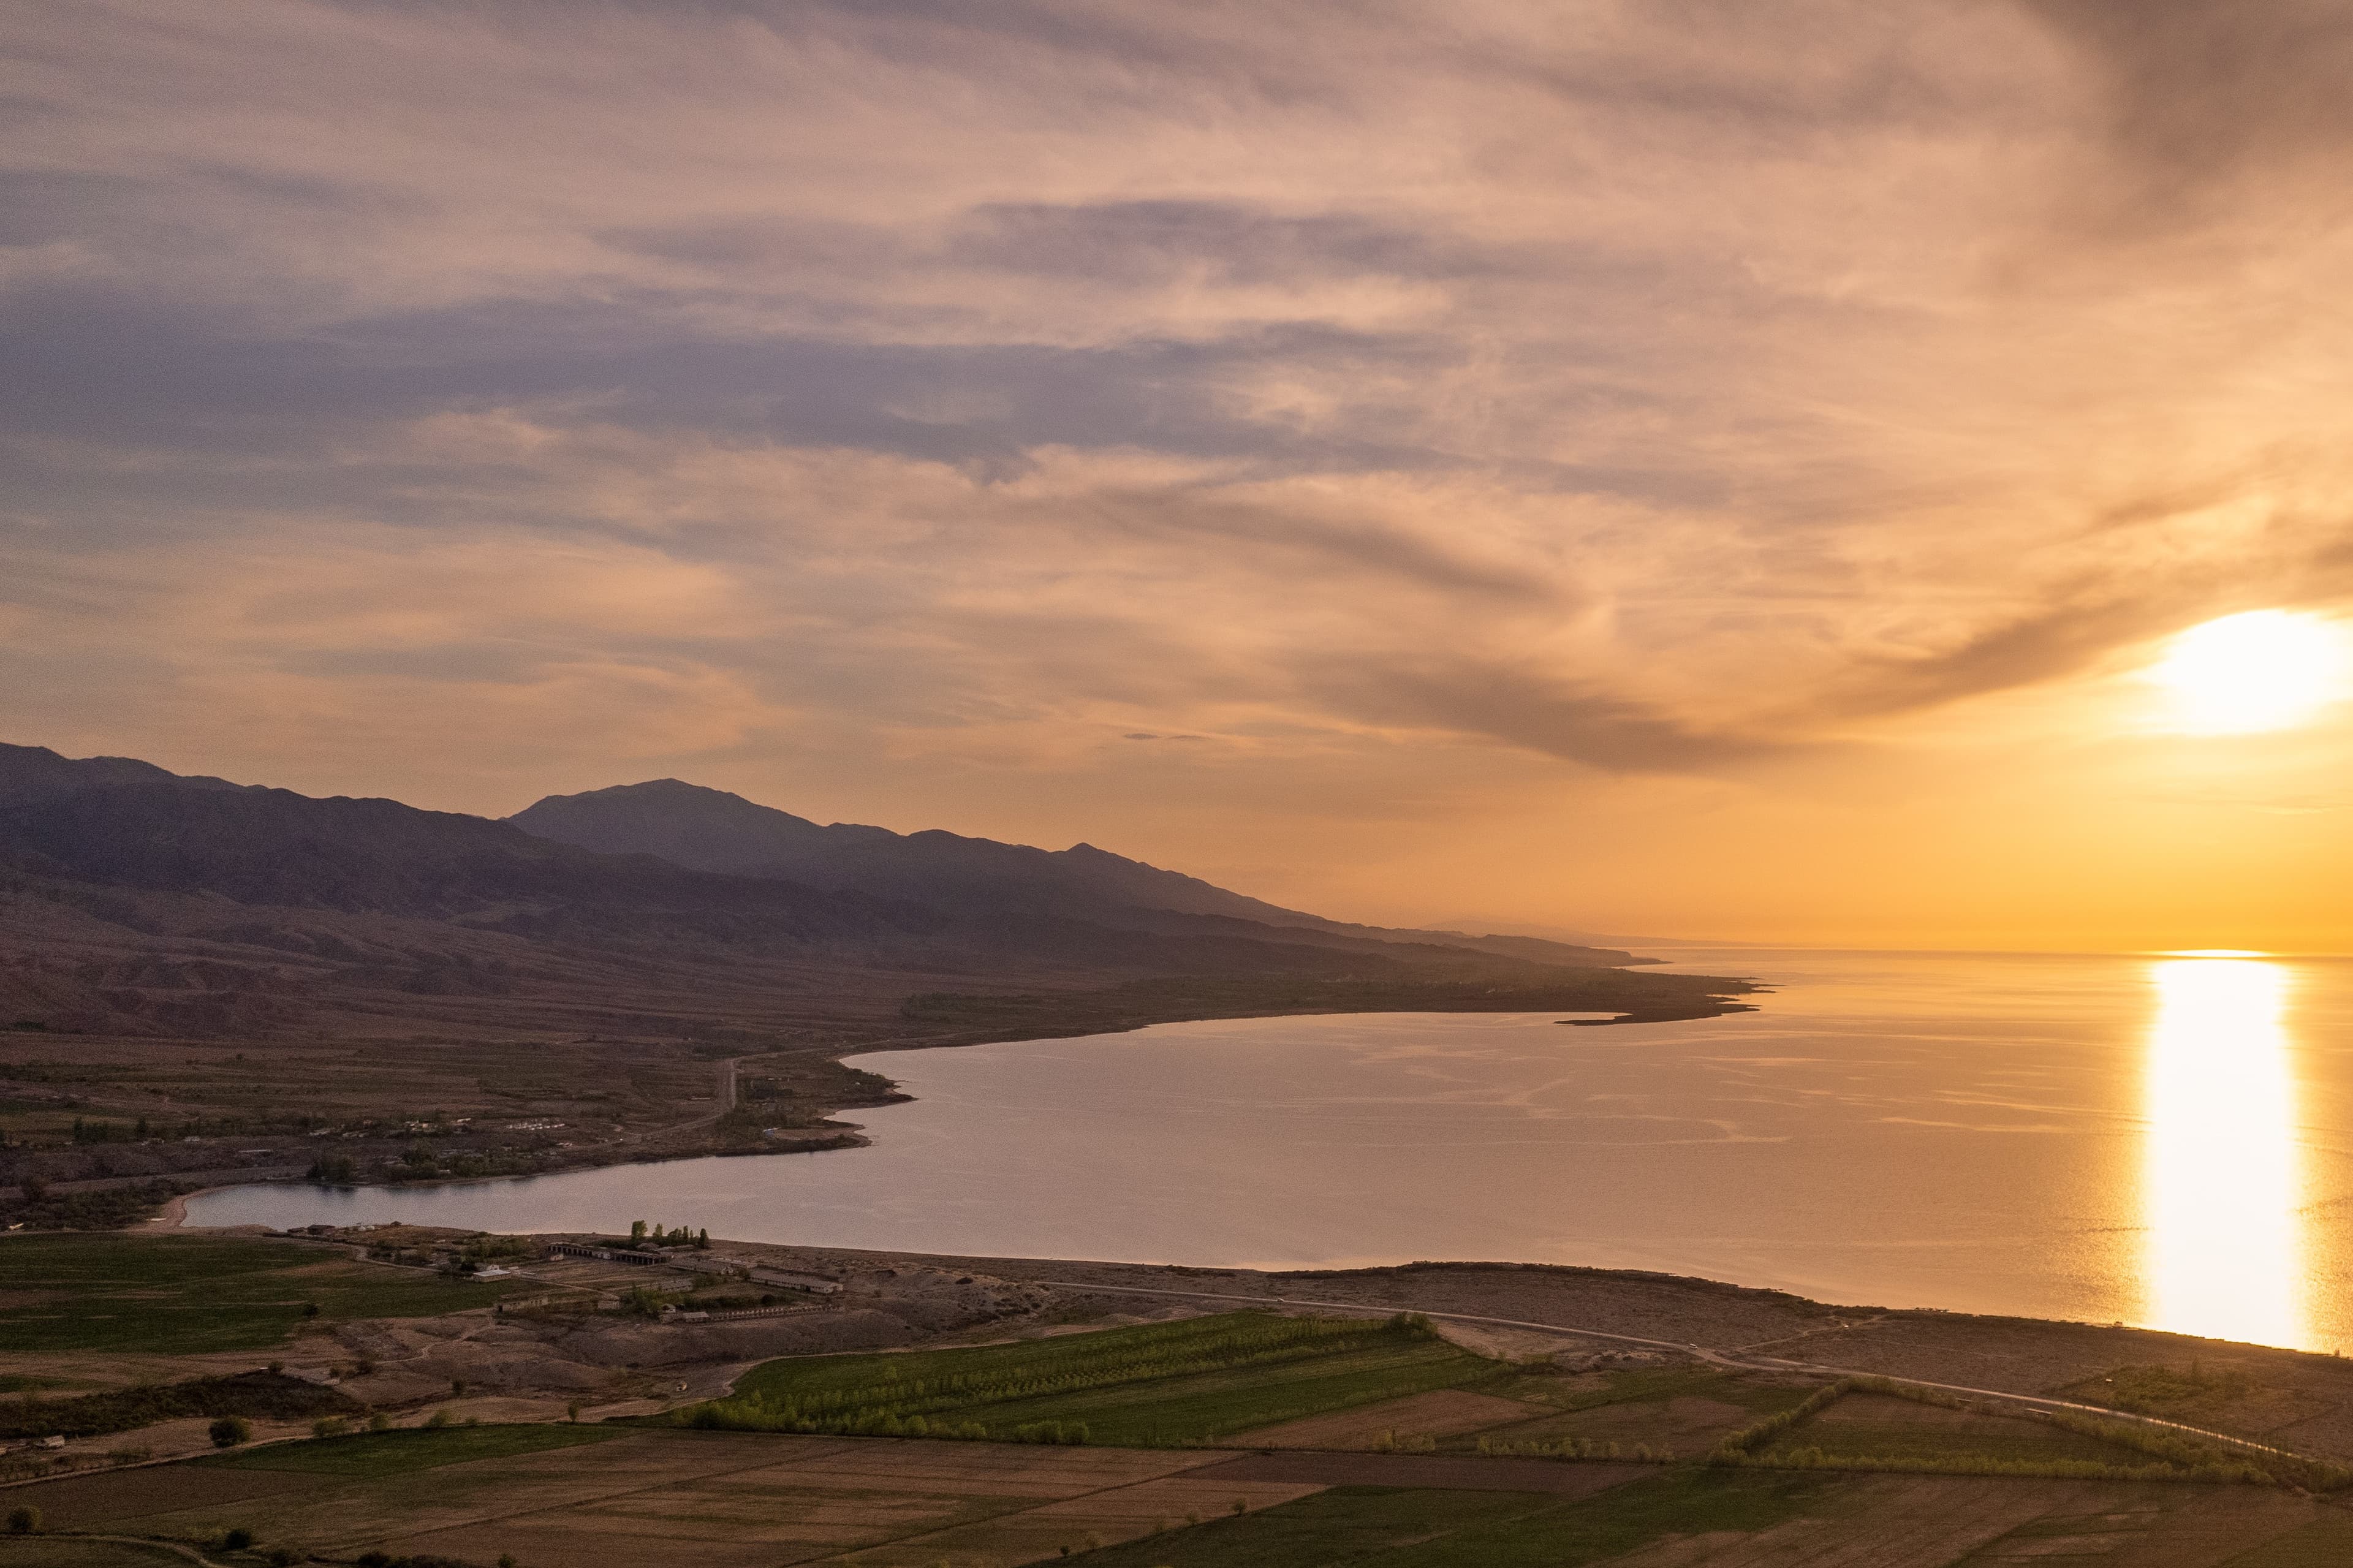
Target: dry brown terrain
(730, 1500)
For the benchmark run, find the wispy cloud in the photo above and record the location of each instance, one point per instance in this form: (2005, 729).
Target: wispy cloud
(1640, 388)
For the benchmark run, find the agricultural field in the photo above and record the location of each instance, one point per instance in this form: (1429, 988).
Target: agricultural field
(1190, 1381)
(1698, 1518)
(1241, 1440)
(382, 1454)
(52, 1553)
(555, 1497)
(188, 1295)
(1875, 1425)
(1678, 1412)
(613, 1495)
(1412, 1528)
(621, 1498)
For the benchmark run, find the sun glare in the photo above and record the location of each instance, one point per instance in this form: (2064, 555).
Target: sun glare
(2265, 669)
(2223, 1189)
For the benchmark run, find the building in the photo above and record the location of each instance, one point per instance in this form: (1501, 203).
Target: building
(784, 1278)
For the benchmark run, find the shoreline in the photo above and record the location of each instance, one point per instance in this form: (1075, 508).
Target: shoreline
(173, 1219)
(829, 1136)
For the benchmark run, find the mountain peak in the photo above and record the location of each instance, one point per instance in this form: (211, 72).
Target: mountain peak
(712, 830)
(31, 774)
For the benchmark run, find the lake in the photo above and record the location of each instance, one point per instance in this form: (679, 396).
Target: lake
(2156, 1141)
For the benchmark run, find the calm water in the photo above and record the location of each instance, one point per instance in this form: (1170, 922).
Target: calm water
(2165, 1142)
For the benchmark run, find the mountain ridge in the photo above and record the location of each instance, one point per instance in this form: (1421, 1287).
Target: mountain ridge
(137, 901)
(717, 831)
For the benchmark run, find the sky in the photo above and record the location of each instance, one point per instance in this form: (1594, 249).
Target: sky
(1710, 468)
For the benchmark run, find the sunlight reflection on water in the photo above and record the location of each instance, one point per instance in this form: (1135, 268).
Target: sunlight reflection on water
(2222, 1185)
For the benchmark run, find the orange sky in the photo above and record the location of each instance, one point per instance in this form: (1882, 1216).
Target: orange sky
(1704, 467)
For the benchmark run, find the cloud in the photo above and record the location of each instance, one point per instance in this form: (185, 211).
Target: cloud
(2205, 106)
(1638, 388)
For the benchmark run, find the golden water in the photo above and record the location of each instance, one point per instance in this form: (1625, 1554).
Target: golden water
(2223, 1180)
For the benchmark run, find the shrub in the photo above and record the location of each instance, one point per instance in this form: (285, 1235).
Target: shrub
(1739, 1445)
(330, 1427)
(237, 1539)
(229, 1431)
(24, 1520)
(257, 1395)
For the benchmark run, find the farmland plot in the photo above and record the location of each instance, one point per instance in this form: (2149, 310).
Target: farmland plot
(1444, 1413)
(1194, 1380)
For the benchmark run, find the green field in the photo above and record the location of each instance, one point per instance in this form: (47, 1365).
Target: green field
(375, 1454)
(1421, 1528)
(175, 1295)
(1152, 1385)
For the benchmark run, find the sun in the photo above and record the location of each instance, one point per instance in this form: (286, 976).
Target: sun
(2265, 669)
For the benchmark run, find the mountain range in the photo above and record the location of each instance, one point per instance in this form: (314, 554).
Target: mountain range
(137, 900)
(711, 830)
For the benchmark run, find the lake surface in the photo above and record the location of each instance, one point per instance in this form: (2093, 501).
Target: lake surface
(2165, 1142)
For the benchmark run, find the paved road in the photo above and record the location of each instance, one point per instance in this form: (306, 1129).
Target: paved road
(1718, 1358)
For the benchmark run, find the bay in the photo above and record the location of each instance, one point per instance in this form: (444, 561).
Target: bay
(2164, 1141)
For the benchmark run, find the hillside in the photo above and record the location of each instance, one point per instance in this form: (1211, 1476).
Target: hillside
(135, 900)
(712, 830)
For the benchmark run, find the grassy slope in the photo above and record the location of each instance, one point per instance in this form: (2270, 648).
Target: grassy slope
(179, 1295)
